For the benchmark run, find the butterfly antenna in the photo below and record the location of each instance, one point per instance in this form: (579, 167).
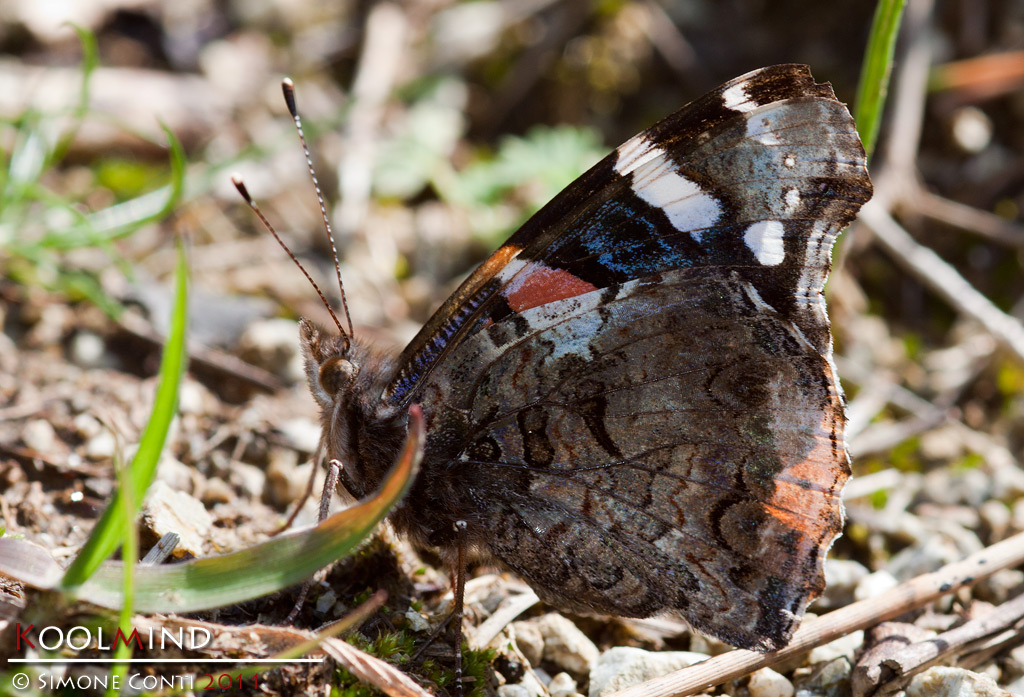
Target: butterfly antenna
(288, 87)
(237, 181)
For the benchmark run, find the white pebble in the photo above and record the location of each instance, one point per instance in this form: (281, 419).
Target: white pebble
(417, 622)
(946, 681)
(86, 426)
(843, 647)
(624, 666)
(874, 585)
(39, 435)
(87, 349)
(566, 646)
(562, 685)
(767, 683)
(512, 691)
(972, 129)
(101, 446)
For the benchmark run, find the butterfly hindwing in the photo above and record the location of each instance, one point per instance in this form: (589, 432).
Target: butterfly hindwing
(655, 454)
(633, 401)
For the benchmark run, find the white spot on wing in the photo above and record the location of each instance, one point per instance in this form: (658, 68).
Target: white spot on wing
(792, 200)
(737, 99)
(764, 238)
(790, 161)
(756, 298)
(762, 131)
(511, 268)
(687, 206)
(634, 152)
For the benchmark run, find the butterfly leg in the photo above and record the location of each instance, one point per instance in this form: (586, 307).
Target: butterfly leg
(333, 472)
(460, 591)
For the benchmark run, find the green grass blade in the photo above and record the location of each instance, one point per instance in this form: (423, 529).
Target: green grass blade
(90, 61)
(130, 553)
(109, 531)
(874, 75)
(201, 584)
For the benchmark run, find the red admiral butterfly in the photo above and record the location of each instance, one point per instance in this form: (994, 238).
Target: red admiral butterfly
(632, 404)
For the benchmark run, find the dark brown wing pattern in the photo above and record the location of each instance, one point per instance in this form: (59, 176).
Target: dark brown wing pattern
(670, 443)
(633, 403)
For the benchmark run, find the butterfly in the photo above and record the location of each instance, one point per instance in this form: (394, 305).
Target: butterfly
(632, 404)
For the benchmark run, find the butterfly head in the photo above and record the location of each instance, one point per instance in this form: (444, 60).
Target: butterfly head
(330, 366)
(344, 377)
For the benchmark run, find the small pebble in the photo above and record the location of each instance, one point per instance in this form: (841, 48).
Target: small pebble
(566, 646)
(249, 478)
(830, 679)
(971, 129)
(996, 517)
(285, 481)
(301, 434)
(841, 578)
(767, 683)
(843, 647)
(326, 601)
(562, 685)
(624, 666)
(273, 345)
(88, 349)
(512, 691)
(529, 640)
(167, 510)
(921, 558)
(216, 491)
(531, 681)
(417, 622)
(1000, 586)
(873, 585)
(39, 435)
(945, 681)
(175, 473)
(86, 426)
(192, 398)
(101, 446)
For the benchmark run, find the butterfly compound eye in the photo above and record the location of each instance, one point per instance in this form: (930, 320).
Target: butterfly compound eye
(336, 374)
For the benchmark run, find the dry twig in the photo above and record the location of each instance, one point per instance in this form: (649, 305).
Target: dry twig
(890, 672)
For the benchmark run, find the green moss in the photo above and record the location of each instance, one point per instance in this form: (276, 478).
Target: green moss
(970, 461)
(906, 457)
(397, 648)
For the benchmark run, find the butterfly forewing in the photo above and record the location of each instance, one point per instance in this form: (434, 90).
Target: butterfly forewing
(712, 184)
(633, 402)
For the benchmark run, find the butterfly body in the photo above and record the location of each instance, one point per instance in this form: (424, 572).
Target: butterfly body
(632, 404)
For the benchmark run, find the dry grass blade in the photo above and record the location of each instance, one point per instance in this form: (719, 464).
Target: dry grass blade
(373, 671)
(891, 670)
(379, 66)
(28, 563)
(911, 595)
(942, 278)
(510, 608)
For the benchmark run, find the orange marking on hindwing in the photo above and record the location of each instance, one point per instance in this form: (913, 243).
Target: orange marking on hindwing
(813, 507)
(537, 285)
